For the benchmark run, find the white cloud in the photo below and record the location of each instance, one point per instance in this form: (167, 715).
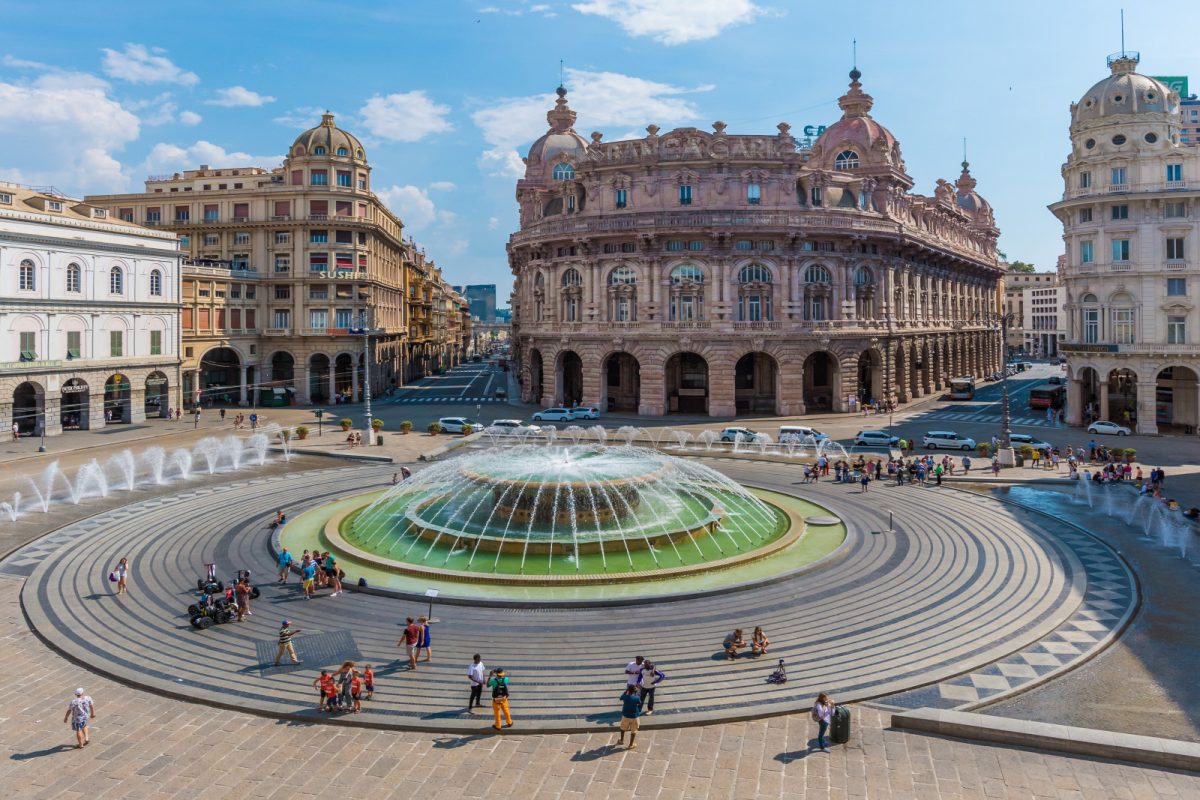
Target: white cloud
(493, 223)
(236, 96)
(165, 158)
(10, 60)
(600, 99)
(189, 118)
(673, 21)
(302, 118)
(457, 247)
(405, 116)
(411, 204)
(66, 127)
(139, 64)
(443, 186)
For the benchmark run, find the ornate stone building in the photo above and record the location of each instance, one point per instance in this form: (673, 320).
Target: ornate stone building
(714, 273)
(1129, 214)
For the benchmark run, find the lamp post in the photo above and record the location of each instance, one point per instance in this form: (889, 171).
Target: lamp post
(1005, 450)
(318, 413)
(366, 334)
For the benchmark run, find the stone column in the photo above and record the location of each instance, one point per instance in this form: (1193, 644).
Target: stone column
(1074, 402)
(1147, 418)
(721, 393)
(95, 409)
(354, 382)
(52, 416)
(242, 399)
(1103, 390)
(137, 404)
(332, 383)
(301, 379)
(591, 369)
(652, 401)
(6, 412)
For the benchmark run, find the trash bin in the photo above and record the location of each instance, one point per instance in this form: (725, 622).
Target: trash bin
(379, 440)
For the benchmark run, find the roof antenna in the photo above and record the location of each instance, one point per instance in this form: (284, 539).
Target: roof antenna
(1122, 33)
(854, 45)
(964, 150)
(560, 68)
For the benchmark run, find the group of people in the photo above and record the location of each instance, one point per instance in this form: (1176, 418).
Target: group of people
(641, 680)
(354, 439)
(317, 570)
(416, 639)
(878, 407)
(240, 419)
(759, 643)
(343, 689)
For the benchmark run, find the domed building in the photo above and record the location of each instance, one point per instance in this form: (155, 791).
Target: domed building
(1129, 215)
(286, 266)
(708, 272)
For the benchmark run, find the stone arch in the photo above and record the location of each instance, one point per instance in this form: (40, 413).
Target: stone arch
(345, 368)
(568, 378)
(75, 406)
(282, 365)
(756, 383)
(220, 373)
(621, 384)
(157, 400)
(1176, 399)
(870, 383)
(1122, 396)
(822, 381)
(320, 370)
(117, 399)
(899, 366)
(686, 382)
(29, 407)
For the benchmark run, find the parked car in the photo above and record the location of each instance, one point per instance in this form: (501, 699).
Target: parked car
(800, 433)
(586, 412)
(458, 425)
(515, 426)
(875, 438)
(730, 434)
(947, 440)
(1104, 426)
(1019, 439)
(554, 415)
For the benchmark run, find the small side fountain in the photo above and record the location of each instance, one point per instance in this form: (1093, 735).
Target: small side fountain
(45, 489)
(682, 438)
(12, 510)
(233, 448)
(125, 466)
(599, 434)
(155, 459)
(90, 478)
(627, 433)
(1083, 490)
(209, 448)
(574, 433)
(763, 440)
(707, 438)
(259, 444)
(181, 458)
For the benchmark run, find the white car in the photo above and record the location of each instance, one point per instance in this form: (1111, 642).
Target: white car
(514, 426)
(586, 412)
(1019, 439)
(800, 433)
(554, 415)
(458, 424)
(730, 434)
(876, 439)
(947, 440)
(1104, 426)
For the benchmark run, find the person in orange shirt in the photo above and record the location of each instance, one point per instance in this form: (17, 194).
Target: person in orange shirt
(356, 690)
(369, 680)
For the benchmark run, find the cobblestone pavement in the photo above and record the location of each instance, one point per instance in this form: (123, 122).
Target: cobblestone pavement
(145, 746)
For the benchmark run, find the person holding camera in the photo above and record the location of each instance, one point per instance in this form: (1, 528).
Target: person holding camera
(498, 683)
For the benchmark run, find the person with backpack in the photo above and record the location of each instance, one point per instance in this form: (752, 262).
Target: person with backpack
(822, 714)
(631, 711)
(498, 683)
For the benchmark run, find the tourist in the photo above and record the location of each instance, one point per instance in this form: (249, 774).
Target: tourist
(16, 431)
(222, 415)
(631, 710)
(253, 422)
(286, 632)
(900, 472)
(122, 571)
(279, 519)
(865, 481)
(326, 692)
(649, 679)
(412, 637)
(903, 444)
(395, 478)
(356, 683)
(424, 642)
(822, 714)
(937, 475)
(633, 671)
(475, 675)
(178, 414)
(995, 467)
(285, 565)
(344, 678)
(405, 473)
(333, 575)
(498, 683)
(369, 680)
(308, 575)
(241, 592)
(80, 711)
(733, 642)
(759, 641)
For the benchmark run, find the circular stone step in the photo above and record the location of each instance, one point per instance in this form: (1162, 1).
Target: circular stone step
(822, 521)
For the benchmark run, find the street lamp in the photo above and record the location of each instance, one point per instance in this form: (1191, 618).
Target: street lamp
(1004, 448)
(318, 413)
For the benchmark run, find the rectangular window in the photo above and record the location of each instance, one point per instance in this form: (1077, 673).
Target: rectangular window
(28, 344)
(753, 194)
(282, 318)
(1176, 330)
(73, 342)
(343, 261)
(241, 211)
(343, 179)
(241, 238)
(1120, 249)
(318, 319)
(27, 278)
(1085, 180)
(318, 237)
(1086, 256)
(343, 208)
(1085, 215)
(283, 237)
(154, 214)
(675, 244)
(249, 292)
(816, 195)
(211, 214)
(235, 319)
(126, 214)
(344, 237)
(283, 208)
(235, 292)
(320, 178)
(1120, 212)
(116, 343)
(622, 309)
(696, 244)
(1174, 173)
(212, 239)
(283, 263)
(250, 319)
(283, 293)
(156, 343)
(744, 244)
(343, 318)
(318, 262)
(240, 262)
(1176, 287)
(685, 195)
(186, 320)
(622, 198)
(766, 245)
(1175, 249)
(1122, 325)
(628, 247)
(1176, 209)
(183, 213)
(185, 242)
(362, 182)
(570, 203)
(318, 293)
(753, 308)
(1117, 177)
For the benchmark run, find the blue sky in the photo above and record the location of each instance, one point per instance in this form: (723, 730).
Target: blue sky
(95, 96)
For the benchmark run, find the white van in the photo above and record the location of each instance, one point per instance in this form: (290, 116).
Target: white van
(800, 433)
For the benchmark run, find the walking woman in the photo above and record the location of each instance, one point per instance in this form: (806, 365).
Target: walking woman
(822, 714)
(423, 643)
(122, 574)
(80, 712)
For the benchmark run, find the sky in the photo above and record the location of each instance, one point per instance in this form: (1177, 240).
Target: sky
(447, 96)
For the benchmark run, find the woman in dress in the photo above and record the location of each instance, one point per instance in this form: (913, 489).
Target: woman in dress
(423, 643)
(122, 574)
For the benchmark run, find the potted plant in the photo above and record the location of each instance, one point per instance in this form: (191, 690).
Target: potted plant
(982, 448)
(1129, 454)
(301, 432)
(1027, 453)
(434, 428)
(345, 422)
(376, 424)
(285, 434)
(406, 426)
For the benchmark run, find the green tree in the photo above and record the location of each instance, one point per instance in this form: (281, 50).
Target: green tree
(1021, 266)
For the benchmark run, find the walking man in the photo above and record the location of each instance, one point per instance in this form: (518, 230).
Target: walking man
(286, 632)
(285, 565)
(650, 677)
(80, 711)
(498, 683)
(411, 641)
(475, 674)
(254, 422)
(631, 711)
(865, 481)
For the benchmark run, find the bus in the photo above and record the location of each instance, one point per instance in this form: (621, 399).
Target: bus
(962, 388)
(1047, 395)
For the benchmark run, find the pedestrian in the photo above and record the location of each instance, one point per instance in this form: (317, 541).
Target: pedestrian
(308, 575)
(253, 422)
(822, 714)
(498, 683)
(356, 685)
(631, 711)
(395, 478)
(178, 414)
(412, 638)
(424, 643)
(633, 671)
(475, 674)
(937, 475)
(16, 429)
(649, 679)
(333, 572)
(966, 462)
(995, 467)
(222, 415)
(345, 682)
(80, 711)
(285, 565)
(369, 681)
(405, 473)
(865, 481)
(759, 641)
(286, 632)
(122, 575)
(241, 592)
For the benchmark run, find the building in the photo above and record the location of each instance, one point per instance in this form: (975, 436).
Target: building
(286, 268)
(482, 298)
(1129, 216)
(1031, 298)
(1189, 107)
(89, 315)
(712, 273)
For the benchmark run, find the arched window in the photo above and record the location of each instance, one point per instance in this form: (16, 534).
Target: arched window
(74, 278)
(754, 273)
(816, 274)
(1088, 298)
(318, 151)
(1090, 318)
(847, 159)
(863, 277)
(563, 172)
(539, 281)
(622, 274)
(156, 283)
(687, 272)
(358, 153)
(572, 278)
(27, 280)
(116, 281)
(341, 151)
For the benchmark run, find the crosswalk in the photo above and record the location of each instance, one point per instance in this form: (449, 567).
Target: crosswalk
(961, 416)
(412, 400)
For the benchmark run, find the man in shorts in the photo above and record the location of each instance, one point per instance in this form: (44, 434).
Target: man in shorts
(631, 711)
(308, 571)
(411, 640)
(285, 565)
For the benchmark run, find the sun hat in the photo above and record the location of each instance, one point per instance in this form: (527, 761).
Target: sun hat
(79, 692)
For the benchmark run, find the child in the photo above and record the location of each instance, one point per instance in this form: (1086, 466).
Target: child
(319, 684)
(369, 680)
(356, 690)
(329, 687)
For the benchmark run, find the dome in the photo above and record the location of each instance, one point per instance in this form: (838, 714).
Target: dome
(970, 200)
(857, 131)
(561, 139)
(329, 136)
(1124, 92)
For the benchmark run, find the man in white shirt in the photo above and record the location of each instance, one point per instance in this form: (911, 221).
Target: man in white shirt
(633, 671)
(476, 673)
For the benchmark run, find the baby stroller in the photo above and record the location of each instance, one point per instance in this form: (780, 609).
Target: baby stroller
(779, 675)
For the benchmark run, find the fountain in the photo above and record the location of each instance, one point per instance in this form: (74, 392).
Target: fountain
(1083, 490)
(90, 478)
(155, 459)
(627, 433)
(681, 439)
(831, 450)
(259, 443)
(182, 459)
(707, 438)
(275, 432)
(209, 448)
(125, 467)
(1110, 500)
(574, 433)
(599, 434)
(45, 490)
(763, 440)
(12, 510)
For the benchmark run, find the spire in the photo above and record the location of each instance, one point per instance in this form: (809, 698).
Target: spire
(561, 117)
(965, 183)
(327, 119)
(856, 102)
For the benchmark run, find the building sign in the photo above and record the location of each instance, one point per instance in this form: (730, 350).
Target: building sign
(74, 388)
(155, 381)
(344, 275)
(1178, 83)
(813, 130)
(1088, 348)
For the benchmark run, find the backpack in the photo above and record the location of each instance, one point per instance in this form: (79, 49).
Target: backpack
(500, 689)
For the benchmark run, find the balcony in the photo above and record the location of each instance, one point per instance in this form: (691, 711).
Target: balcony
(1121, 266)
(1126, 188)
(758, 325)
(689, 325)
(1118, 188)
(1175, 265)
(277, 332)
